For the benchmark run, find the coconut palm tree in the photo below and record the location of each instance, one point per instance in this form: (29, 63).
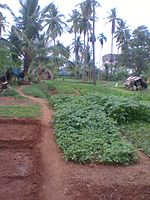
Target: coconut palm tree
(74, 19)
(3, 24)
(112, 18)
(29, 19)
(94, 4)
(88, 15)
(77, 45)
(25, 35)
(93, 42)
(122, 34)
(6, 7)
(85, 28)
(102, 38)
(54, 23)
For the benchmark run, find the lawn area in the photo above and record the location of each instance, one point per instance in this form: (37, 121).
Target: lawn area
(20, 111)
(106, 88)
(76, 87)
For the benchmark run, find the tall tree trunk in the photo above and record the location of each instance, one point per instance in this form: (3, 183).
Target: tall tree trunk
(111, 63)
(100, 59)
(76, 57)
(93, 45)
(84, 59)
(27, 62)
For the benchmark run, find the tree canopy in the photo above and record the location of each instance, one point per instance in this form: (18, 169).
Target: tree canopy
(34, 39)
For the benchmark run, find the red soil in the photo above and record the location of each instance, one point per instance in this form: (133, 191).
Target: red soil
(19, 159)
(33, 168)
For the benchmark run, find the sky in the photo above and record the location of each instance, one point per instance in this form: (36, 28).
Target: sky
(135, 12)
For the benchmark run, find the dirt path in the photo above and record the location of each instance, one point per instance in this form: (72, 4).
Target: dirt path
(69, 181)
(53, 164)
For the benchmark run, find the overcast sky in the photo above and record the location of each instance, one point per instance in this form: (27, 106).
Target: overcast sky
(135, 12)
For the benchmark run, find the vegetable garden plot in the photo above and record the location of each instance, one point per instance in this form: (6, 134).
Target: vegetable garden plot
(86, 133)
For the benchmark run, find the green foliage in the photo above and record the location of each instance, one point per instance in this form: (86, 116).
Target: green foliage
(139, 134)
(10, 92)
(40, 90)
(106, 88)
(20, 111)
(125, 110)
(81, 127)
(121, 110)
(86, 134)
(136, 49)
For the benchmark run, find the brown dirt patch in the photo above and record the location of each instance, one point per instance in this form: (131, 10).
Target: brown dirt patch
(14, 101)
(60, 180)
(18, 132)
(16, 163)
(19, 159)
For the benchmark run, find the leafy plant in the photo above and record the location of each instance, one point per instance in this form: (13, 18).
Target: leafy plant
(86, 134)
(139, 134)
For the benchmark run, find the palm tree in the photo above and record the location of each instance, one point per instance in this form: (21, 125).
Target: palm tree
(102, 38)
(85, 27)
(74, 18)
(93, 43)
(3, 23)
(6, 7)
(88, 15)
(53, 22)
(29, 19)
(25, 35)
(112, 19)
(122, 34)
(78, 50)
(27, 30)
(94, 4)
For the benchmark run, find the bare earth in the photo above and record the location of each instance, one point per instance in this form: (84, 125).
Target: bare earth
(32, 167)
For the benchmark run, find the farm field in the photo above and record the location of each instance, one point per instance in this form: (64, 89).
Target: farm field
(32, 160)
(74, 102)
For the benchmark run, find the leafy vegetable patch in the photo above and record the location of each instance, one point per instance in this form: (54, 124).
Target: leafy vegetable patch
(87, 133)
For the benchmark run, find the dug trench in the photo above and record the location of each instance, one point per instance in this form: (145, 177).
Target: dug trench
(32, 167)
(19, 159)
